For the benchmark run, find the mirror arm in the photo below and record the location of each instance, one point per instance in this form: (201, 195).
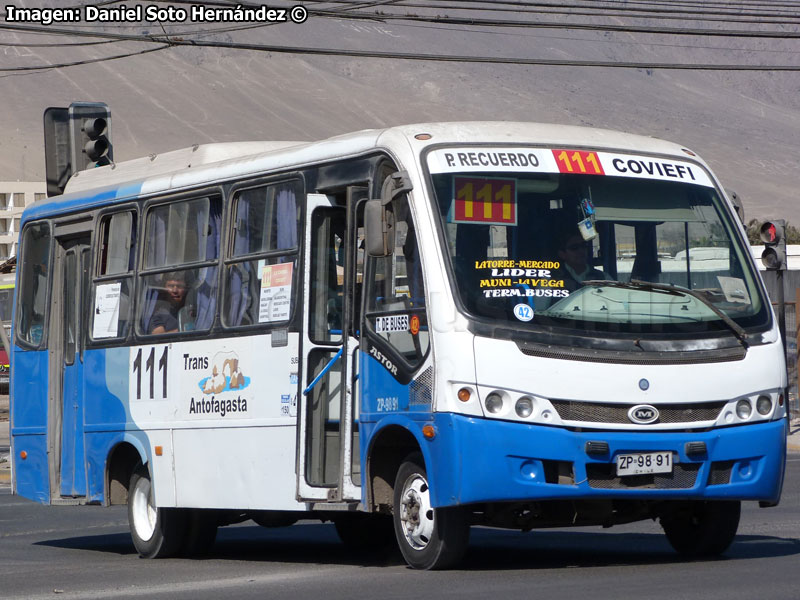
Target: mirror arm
(394, 185)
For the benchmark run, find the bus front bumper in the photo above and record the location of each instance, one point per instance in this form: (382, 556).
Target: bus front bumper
(480, 460)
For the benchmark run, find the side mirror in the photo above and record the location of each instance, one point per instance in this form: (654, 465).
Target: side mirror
(736, 200)
(379, 217)
(379, 223)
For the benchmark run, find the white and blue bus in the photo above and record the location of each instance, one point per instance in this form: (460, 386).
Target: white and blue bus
(417, 329)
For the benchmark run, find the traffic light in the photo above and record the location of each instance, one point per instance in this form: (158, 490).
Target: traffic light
(773, 235)
(75, 138)
(90, 129)
(56, 149)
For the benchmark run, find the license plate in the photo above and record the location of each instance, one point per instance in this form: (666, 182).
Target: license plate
(644, 463)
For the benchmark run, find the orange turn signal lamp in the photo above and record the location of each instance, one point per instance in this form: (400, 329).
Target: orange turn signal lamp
(429, 431)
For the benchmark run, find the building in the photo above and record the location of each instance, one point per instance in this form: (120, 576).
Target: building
(14, 197)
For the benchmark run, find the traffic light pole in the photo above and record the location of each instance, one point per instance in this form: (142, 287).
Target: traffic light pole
(781, 311)
(782, 330)
(773, 234)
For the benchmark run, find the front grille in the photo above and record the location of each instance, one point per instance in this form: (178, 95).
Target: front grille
(598, 412)
(420, 392)
(603, 476)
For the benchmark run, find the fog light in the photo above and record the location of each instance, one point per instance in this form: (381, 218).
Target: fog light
(743, 409)
(764, 405)
(524, 407)
(494, 403)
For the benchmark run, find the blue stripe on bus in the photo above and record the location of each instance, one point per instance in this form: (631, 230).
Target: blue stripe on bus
(31, 474)
(381, 393)
(101, 422)
(67, 203)
(29, 433)
(33, 411)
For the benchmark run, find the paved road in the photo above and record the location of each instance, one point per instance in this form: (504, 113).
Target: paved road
(85, 552)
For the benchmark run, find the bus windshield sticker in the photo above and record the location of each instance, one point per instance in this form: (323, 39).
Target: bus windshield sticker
(734, 289)
(392, 323)
(563, 160)
(523, 312)
(106, 310)
(576, 161)
(487, 201)
(414, 327)
(491, 159)
(276, 293)
(520, 278)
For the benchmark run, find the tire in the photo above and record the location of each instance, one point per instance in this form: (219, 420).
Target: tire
(365, 532)
(156, 532)
(429, 538)
(201, 532)
(700, 529)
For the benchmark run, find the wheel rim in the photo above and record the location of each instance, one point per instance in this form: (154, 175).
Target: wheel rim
(416, 512)
(143, 510)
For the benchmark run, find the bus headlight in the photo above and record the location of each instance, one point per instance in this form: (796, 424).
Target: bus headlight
(494, 403)
(744, 409)
(524, 407)
(764, 405)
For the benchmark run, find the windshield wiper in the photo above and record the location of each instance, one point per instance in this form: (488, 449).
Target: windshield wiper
(677, 290)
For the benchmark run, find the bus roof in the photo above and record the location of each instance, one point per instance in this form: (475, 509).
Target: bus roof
(213, 163)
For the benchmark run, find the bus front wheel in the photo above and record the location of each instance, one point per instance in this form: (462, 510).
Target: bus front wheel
(429, 538)
(156, 532)
(702, 528)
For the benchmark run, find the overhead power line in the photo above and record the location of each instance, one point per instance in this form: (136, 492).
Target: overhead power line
(630, 28)
(682, 31)
(310, 51)
(601, 9)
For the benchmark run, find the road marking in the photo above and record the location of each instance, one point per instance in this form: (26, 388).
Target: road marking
(171, 588)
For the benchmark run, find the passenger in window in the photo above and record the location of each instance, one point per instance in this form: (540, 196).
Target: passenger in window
(171, 300)
(573, 254)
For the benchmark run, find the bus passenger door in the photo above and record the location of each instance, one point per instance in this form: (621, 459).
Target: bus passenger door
(67, 330)
(328, 450)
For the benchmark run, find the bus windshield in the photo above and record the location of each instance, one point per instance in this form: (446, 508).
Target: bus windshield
(522, 246)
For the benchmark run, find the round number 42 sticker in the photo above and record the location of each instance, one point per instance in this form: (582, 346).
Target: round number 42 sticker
(523, 312)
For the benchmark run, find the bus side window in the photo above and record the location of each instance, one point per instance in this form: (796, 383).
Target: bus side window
(396, 304)
(260, 271)
(178, 281)
(114, 275)
(32, 301)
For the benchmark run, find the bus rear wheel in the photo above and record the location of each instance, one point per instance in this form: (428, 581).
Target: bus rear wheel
(702, 528)
(156, 532)
(429, 538)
